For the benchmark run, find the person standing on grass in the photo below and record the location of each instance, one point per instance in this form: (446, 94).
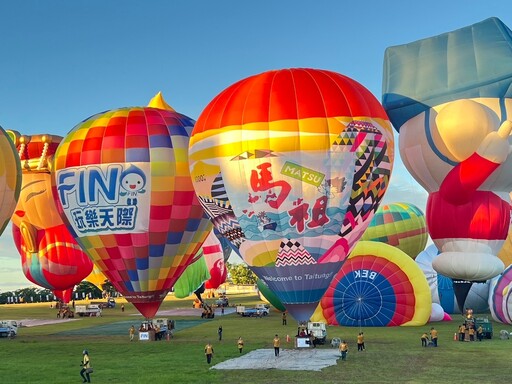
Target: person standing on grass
(240, 344)
(433, 336)
(284, 318)
(360, 342)
(219, 332)
(208, 351)
(424, 339)
(462, 332)
(480, 333)
(343, 350)
(277, 345)
(132, 332)
(86, 365)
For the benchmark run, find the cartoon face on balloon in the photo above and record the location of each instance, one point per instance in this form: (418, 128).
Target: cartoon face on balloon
(290, 165)
(454, 139)
(50, 257)
(123, 186)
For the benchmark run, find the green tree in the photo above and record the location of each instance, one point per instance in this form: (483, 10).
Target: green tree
(241, 274)
(86, 289)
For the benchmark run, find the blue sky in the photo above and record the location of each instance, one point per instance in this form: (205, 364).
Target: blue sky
(62, 61)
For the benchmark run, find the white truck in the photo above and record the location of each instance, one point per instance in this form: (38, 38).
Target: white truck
(8, 328)
(318, 330)
(90, 310)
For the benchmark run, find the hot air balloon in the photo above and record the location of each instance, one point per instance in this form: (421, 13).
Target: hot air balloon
(97, 278)
(505, 253)
(267, 295)
(124, 188)
(500, 297)
(214, 255)
(379, 285)
(401, 225)
(10, 178)
(290, 165)
(50, 256)
(450, 102)
(192, 279)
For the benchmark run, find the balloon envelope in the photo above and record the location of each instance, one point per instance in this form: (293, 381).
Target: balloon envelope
(500, 297)
(290, 165)
(400, 225)
(10, 178)
(50, 256)
(379, 285)
(123, 182)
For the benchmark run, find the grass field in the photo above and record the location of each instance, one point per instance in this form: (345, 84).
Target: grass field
(52, 353)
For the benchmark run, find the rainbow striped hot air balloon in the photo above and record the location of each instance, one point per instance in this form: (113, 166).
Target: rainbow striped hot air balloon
(290, 165)
(400, 225)
(123, 182)
(10, 179)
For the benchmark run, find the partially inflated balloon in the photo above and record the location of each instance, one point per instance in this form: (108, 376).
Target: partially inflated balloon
(267, 295)
(10, 178)
(379, 285)
(123, 182)
(97, 278)
(500, 297)
(192, 278)
(401, 225)
(214, 256)
(50, 256)
(290, 166)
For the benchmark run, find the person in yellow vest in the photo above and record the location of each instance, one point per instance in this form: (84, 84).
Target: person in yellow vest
(480, 333)
(132, 332)
(208, 351)
(424, 339)
(433, 336)
(240, 344)
(471, 333)
(277, 345)
(360, 342)
(343, 350)
(462, 331)
(86, 367)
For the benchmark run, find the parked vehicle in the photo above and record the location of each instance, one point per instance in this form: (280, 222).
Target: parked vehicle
(88, 310)
(222, 301)
(252, 312)
(8, 328)
(318, 330)
(486, 326)
(110, 303)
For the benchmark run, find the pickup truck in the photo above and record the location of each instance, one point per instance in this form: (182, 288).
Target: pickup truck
(8, 328)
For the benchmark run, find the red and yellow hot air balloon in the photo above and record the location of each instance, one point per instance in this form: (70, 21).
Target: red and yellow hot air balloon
(10, 178)
(123, 183)
(50, 256)
(291, 165)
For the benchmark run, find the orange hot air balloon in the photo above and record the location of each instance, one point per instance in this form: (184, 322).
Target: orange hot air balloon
(290, 165)
(124, 188)
(50, 257)
(10, 178)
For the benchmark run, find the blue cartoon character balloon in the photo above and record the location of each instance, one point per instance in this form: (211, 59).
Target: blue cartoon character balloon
(133, 181)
